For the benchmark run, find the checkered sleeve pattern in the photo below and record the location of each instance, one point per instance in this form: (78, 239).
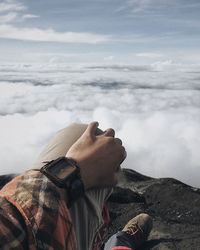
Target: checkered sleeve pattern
(34, 215)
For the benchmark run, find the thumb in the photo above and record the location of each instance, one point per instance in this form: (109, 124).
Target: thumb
(91, 129)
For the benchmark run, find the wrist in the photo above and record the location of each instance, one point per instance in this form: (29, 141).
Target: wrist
(65, 174)
(86, 180)
(86, 176)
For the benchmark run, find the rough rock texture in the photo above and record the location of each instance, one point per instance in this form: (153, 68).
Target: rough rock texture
(174, 206)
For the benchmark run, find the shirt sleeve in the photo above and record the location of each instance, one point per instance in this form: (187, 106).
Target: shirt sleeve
(12, 227)
(44, 210)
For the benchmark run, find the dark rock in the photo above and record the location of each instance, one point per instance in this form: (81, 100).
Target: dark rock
(125, 195)
(173, 205)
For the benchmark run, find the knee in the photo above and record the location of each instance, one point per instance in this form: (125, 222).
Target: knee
(74, 129)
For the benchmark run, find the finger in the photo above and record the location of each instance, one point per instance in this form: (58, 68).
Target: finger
(115, 179)
(122, 154)
(118, 141)
(109, 132)
(91, 129)
(118, 168)
(99, 132)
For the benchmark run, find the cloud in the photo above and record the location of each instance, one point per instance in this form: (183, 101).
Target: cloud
(7, 18)
(29, 16)
(12, 11)
(149, 55)
(50, 35)
(29, 133)
(108, 58)
(164, 65)
(138, 6)
(158, 117)
(11, 5)
(163, 144)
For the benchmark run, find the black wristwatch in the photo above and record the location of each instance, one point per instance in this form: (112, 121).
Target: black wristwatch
(65, 173)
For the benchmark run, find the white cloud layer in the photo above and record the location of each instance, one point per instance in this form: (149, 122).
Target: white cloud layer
(29, 16)
(150, 55)
(10, 17)
(12, 11)
(50, 35)
(146, 5)
(156, 113)
(11, 5)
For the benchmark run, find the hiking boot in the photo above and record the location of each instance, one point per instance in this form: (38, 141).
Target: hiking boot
(139, 228)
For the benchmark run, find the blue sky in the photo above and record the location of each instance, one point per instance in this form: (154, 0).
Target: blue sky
(111, 31)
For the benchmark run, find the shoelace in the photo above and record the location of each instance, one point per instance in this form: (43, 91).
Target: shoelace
(135, 231)
(132, 229)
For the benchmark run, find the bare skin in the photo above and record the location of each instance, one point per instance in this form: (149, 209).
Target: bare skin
(99, 157)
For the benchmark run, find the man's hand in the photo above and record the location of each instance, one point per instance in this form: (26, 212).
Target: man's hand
(99, 156)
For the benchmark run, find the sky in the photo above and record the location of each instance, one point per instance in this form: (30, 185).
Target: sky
(99, 31)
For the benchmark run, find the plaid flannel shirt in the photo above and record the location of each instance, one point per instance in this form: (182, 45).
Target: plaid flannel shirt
(34, 215)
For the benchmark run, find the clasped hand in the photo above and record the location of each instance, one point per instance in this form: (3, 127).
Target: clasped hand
(99, 156)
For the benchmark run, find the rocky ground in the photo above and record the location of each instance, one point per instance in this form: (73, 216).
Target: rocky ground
(174, 206)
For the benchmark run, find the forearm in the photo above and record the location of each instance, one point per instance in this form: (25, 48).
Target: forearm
(12, 227)
(43, 208)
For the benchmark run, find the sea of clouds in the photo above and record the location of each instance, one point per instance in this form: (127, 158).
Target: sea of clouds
(155, 109)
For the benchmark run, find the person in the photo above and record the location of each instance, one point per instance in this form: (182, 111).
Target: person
(37, 213)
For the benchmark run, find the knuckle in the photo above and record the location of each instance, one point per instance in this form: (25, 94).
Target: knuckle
(110, 132)
(123, 148)
(123, 152)
(118, 141)
(110, 140)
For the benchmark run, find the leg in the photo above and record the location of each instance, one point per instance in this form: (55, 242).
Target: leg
(87, 211)
(133, 236)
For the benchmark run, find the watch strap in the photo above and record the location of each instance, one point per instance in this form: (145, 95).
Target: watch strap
(72, 183)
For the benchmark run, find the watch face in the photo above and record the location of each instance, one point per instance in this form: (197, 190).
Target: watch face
(61, 170)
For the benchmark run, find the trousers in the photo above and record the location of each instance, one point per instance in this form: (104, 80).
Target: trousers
(86, 212)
